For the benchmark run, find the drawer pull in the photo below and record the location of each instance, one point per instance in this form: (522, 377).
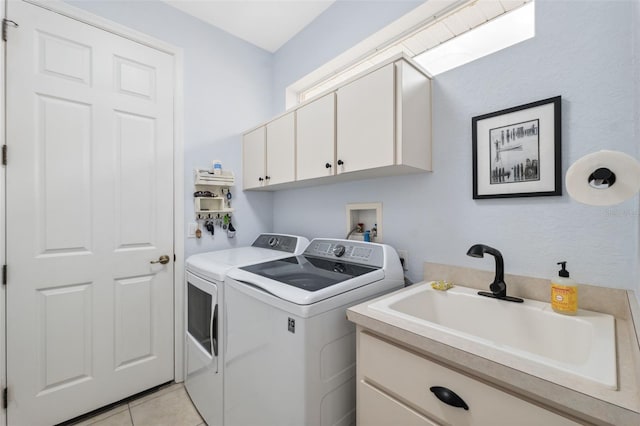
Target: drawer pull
(449, 397)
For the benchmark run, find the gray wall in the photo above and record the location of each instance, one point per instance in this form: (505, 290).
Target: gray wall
(341, 26)
(227, 89)
(585, 51)
(582, 51)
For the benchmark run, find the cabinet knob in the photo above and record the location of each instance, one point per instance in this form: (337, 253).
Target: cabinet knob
(267, 177)
(260, 179)
(449, 397)
(340, 162)
(328, 165)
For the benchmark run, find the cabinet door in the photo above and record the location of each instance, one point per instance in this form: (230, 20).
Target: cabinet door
(366, 114)
(316, 138)
(281, 150)
(253, 159)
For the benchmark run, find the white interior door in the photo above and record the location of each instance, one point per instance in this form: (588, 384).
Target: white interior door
(89, 206)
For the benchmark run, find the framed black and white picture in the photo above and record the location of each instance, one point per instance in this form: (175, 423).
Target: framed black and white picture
(517, 151)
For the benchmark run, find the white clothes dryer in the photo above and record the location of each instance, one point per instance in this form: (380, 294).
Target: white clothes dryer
(205, 316)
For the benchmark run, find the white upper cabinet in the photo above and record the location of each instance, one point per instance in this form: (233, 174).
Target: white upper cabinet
(281, 145)
(384, 119)
(316, 138)
(365, 122)
(377, 124)
(253, 158)
(268, 154)
(413, 117)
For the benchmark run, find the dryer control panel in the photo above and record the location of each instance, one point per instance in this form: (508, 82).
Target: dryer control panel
(285, 243)
(347, 251)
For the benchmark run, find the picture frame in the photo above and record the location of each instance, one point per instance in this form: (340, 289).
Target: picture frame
(517, 151)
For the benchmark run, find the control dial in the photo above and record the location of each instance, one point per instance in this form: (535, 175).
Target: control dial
(273, 241)
(338, 250)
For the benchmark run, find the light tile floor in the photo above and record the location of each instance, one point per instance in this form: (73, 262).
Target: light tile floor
(169, 406)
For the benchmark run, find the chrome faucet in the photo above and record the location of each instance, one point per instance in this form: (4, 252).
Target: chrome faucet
(498, 287)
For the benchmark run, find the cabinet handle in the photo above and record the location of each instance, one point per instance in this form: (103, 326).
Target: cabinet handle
(327, 166)
(260, 179)
(340, 162)
(449, 397)
(267, 177)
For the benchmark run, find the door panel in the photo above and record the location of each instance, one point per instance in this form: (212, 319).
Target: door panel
(89, 206)
(135, 180)
(64, 58)
(134, 320)
(64, 167)
(134, 78)
(65, 336)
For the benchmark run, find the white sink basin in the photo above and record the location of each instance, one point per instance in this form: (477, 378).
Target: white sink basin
(581, 345)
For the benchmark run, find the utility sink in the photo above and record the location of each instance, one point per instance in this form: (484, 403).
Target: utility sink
(582, 345)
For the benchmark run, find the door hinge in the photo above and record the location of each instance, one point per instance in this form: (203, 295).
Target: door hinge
(4, 155)
(5, 398)
(174, 257)
(4, 274)
(5, 25)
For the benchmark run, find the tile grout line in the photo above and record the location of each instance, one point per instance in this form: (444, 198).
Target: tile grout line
(130, 414)
(155, 395)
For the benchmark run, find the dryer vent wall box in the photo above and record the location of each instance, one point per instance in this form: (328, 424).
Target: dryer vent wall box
(369, 215)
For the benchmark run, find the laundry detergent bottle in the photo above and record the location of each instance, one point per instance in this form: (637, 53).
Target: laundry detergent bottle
(564, 292)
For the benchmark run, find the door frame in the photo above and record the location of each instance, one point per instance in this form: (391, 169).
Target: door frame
(58, 6)
(3, 225)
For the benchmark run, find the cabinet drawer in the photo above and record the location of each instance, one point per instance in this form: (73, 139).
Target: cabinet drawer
(408, 377)
(383, 410)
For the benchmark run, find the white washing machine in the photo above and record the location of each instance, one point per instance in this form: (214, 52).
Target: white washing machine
(205, 274)
(290, 350)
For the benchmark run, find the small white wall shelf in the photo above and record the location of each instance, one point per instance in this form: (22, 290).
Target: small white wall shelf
(210, 206)
(369, 215)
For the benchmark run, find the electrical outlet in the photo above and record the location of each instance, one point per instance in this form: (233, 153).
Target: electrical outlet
(404, 259)
(191, 232)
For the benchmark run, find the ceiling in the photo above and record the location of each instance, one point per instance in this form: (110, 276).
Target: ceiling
(265, 23)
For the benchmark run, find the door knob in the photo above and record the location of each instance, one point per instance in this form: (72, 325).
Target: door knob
(164, 259)
(340, 162)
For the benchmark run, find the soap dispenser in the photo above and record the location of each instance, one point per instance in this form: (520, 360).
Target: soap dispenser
(564, 292)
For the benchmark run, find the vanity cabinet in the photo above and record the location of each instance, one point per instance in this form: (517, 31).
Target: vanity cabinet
(316, 138)
(398, 386)
(384, 120)
(268, 153)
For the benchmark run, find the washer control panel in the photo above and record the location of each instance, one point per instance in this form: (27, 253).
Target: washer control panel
(347, 251)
